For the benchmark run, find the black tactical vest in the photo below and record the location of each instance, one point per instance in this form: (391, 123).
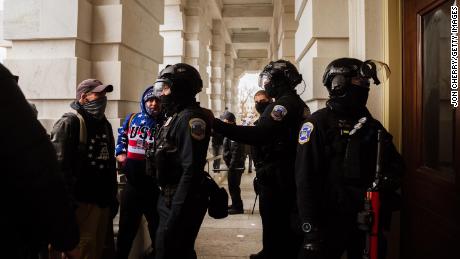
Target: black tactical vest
(168, 166)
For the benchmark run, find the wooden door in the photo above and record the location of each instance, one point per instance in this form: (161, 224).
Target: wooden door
(431, 135)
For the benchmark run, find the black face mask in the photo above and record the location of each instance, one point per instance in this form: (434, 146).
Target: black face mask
(261, 106)
(355, 98)
(271, 91)
(96, 108)
(167, 104)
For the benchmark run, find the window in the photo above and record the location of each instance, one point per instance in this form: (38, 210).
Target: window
(438, 114)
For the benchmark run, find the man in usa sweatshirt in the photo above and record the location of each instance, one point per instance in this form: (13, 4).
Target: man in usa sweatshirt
(140, 194)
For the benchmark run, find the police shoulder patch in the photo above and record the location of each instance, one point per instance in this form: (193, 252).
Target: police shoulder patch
(278, 112)
(305, 132)
(197, 128)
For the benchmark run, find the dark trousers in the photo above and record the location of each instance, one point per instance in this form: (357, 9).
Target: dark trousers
(280, 240)
(216, 150)
(176, 239)
(234, 181)
(136, 202)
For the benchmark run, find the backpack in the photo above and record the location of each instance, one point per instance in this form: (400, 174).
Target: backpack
(83, 131)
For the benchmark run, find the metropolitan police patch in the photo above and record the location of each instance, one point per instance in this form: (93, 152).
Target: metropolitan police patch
(278, 112)
(305, 132)
(197, 128)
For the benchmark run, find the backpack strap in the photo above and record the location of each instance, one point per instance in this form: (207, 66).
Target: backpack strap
(82, 137)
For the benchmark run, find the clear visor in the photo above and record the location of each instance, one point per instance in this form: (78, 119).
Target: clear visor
(161, 87)
(264, 80)
(376, 70)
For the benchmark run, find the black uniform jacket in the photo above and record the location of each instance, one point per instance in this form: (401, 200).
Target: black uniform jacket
(334, 169)
(276, 134)
(181, 152)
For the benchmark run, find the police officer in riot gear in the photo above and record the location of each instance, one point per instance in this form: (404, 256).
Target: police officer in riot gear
(180, 157)
(336, 163)
(276, 135)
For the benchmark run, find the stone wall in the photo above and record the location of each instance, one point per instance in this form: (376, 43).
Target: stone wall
(56, 44)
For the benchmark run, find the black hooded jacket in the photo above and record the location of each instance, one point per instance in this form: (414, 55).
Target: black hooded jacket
(234, 155)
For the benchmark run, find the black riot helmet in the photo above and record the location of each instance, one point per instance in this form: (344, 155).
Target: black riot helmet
(181, 78)
(279, 76)
(347, 81)
(177, 85)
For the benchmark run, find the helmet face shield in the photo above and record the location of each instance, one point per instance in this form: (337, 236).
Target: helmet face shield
(340, 84)
(162, 87)
(264, 81)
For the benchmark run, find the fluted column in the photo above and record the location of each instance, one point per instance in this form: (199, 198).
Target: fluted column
(217, 94)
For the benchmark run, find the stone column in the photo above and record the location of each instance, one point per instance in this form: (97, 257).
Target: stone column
(230, 55)
(57, 44)
(197, 41)
(173, 31)
(237, 73)
(320, 38)
(3, 43)
(286, 26)
(217, 87)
